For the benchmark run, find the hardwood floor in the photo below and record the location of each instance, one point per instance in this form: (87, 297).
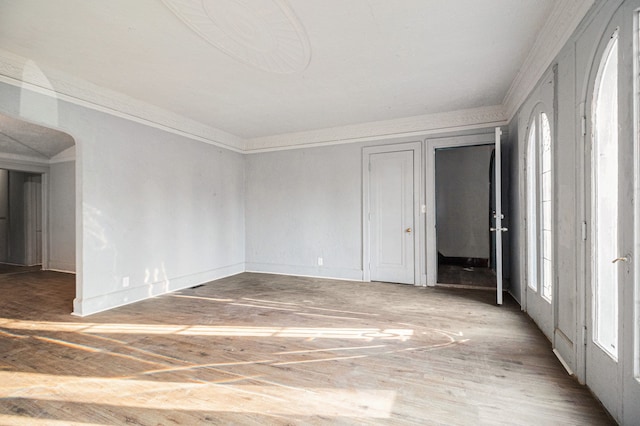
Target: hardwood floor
(466, 276)
(265, 349)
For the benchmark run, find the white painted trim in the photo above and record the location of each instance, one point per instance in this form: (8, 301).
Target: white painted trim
(342, 274)
(563, 362)
(103, 302)
(421, 125)
(24, 163)
(62, 271)
(416, 147)
(557, 30)
(431, 235)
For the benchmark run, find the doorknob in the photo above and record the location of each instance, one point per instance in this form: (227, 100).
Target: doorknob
(408, 230)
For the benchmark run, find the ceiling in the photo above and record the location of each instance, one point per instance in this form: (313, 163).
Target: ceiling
(253, 69)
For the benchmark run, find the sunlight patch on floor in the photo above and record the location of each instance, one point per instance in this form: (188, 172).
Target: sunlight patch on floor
(204, 330)
(202, 396)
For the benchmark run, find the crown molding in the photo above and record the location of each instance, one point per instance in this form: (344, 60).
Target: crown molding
(421, 125)
(25, 73)
(560, 25)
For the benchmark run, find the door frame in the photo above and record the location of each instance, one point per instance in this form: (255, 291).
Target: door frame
(488, 138)
(367, 151)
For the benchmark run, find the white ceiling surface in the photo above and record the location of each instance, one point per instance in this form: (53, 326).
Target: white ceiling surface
(366, 60)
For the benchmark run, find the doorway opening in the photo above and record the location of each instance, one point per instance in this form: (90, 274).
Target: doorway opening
(463, 190)
(37, 198)
(20, 221)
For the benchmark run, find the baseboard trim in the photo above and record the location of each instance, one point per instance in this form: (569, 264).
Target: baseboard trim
(92, 305)
(60, 270)
(563, 362)
(306, 271)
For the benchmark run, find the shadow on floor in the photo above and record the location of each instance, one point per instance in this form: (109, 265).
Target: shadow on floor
(467, 276)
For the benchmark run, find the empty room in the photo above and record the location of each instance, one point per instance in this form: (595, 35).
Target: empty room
(319, 212)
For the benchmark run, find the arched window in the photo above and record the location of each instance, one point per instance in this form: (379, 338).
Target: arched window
(540, 206)
(605, 200)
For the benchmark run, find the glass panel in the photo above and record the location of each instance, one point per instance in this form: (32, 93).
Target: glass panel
(547, 279)
(532, 233)
(546, 142)
(605, 206)
(546, 195)
(546, 215)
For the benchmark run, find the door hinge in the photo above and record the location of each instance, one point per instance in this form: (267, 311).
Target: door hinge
(584, 231)
(583, 125)
(584, 335)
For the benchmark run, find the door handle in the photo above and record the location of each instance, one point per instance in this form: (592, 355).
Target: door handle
(408, 230)
(498, 229)
(621, 259)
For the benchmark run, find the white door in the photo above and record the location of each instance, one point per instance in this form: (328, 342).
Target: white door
(391, 216)
(498, 216)
(630, 244)
(611, 368)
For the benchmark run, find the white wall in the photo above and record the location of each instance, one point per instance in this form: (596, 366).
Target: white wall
(160, 209)
(462, 201)
(62, 216)
(303, 204)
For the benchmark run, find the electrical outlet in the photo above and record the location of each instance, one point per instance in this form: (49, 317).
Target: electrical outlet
(125, 281)
(320, 261)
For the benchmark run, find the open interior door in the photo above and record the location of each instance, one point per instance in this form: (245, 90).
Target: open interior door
(497, 215)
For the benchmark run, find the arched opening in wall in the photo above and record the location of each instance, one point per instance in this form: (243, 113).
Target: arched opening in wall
(37, 199)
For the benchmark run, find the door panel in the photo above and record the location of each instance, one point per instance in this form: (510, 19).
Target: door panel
(539, 203)
(611, 304)
(603, 369)
(630, 190)
(498, 216)
(391, 183)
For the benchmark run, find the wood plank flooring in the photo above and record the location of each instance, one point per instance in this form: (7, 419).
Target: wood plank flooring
(266, 349)
(464, 276)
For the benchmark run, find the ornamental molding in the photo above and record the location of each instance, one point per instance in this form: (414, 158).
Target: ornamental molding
(421, 125)
(264, 34)
(563, 20)
(25, 73)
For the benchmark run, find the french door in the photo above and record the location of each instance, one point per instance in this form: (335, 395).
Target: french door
(611, 358)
